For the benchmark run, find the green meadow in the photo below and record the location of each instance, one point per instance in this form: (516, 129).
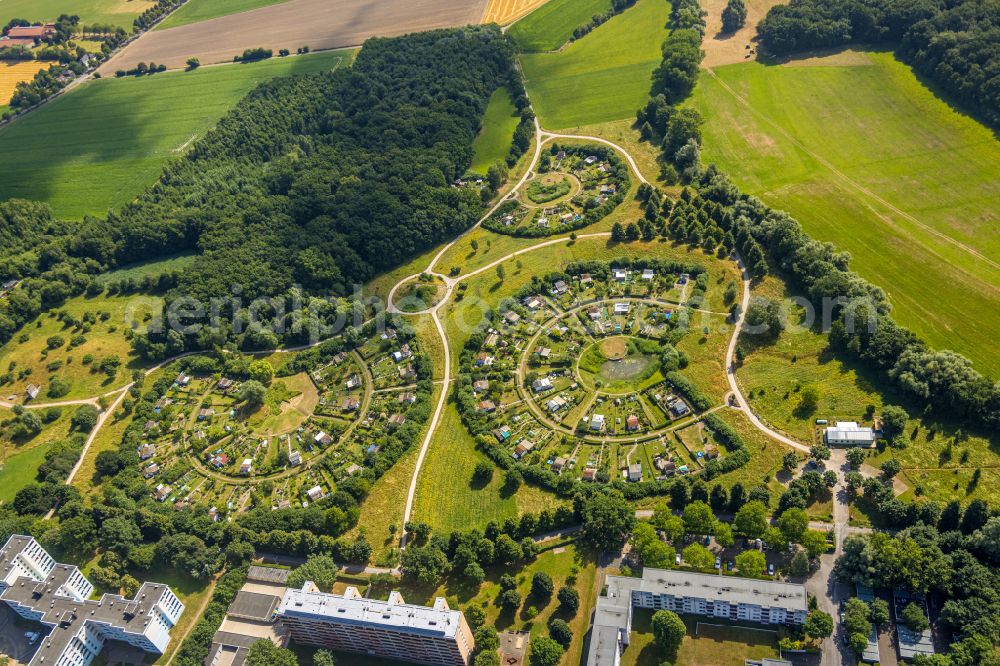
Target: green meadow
(116, 12)
(101, 145)
(493, 142)
(604, 76)
(194, 11)
(551, 25)
(863, 154)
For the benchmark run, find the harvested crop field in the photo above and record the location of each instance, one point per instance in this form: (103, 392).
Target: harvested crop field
(728, 48)
(13, 73)
(319, 24)
(505, 11)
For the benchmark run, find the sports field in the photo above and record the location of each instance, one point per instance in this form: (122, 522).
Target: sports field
(12, 73)
(115, 12)
(604, 76)
(493, 142)
(550, 26)
(865, 156)
(99, 146)
(194, 11)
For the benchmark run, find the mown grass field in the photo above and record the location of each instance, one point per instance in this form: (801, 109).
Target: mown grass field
(705, 644)
(100, 145)
(551, 25)
(194, 11)
(19, 461)
(446, 499)
(864, 155)
(493, 142)
(153, 268)
(116, 12)
(604, 76)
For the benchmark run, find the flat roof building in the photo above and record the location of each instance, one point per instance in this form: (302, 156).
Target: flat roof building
(849, 433)
(56, 595)
(389, 629)
(712, 595)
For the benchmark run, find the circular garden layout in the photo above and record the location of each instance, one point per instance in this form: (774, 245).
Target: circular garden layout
(579, 376)
(288, 428)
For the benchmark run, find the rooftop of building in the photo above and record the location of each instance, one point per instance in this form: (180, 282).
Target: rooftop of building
(767, 593)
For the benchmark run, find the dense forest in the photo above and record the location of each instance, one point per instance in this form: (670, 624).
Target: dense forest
(953, 43)
(321, 180)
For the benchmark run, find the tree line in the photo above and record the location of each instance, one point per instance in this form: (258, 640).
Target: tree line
(954, 44)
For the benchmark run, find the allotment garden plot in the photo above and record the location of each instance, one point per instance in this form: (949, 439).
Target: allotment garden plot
(232, 437)
(579, 374)
(575, 187)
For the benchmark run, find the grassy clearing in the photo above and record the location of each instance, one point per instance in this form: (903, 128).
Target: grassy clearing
(194, 11)
(493, 142)
(20, 460)
(837, 145)
(178, 262)
(625, 134)
(769, 377)
(116, 12)
(29, 350)
(551, 25)
(705, 344)
(604, 76)
(100, 145)
(703, 645)
(445, 497)
(765, 454)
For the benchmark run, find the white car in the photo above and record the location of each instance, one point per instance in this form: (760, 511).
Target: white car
(770, 569)
(677, 560)
(718, 563)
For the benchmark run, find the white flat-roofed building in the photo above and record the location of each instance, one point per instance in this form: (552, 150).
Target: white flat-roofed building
(711, 595)
(39, 589)
(849, 433)
(389, 629)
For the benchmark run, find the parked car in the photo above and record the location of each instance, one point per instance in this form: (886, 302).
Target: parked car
(770, 569)
(677, 559)
(718, 563)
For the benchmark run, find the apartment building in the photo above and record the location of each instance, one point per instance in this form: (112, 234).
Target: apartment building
(711, 595)
(389, 629)
(57, 596)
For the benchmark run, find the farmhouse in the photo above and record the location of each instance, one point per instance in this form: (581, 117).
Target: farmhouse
(849, 433)
(32, 31)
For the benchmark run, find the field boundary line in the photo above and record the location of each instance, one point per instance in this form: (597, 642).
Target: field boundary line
(847, 179)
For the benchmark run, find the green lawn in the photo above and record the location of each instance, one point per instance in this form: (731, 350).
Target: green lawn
(156, 267)
(866, 156)
(194, 11)
(116, 12)
(551, 25)
(706, 643)
(445, 497)
(604, 76)
(101, 145)
(493, 142)
(19, 470)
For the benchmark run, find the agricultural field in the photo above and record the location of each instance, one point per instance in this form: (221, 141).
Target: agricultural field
(114, 12)
(102, 144)
(870, 158)
(503, 12)
(604, 76)
(318, 24)
(552, 25)
(194, 11)
(493, 142)
(12, 73)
